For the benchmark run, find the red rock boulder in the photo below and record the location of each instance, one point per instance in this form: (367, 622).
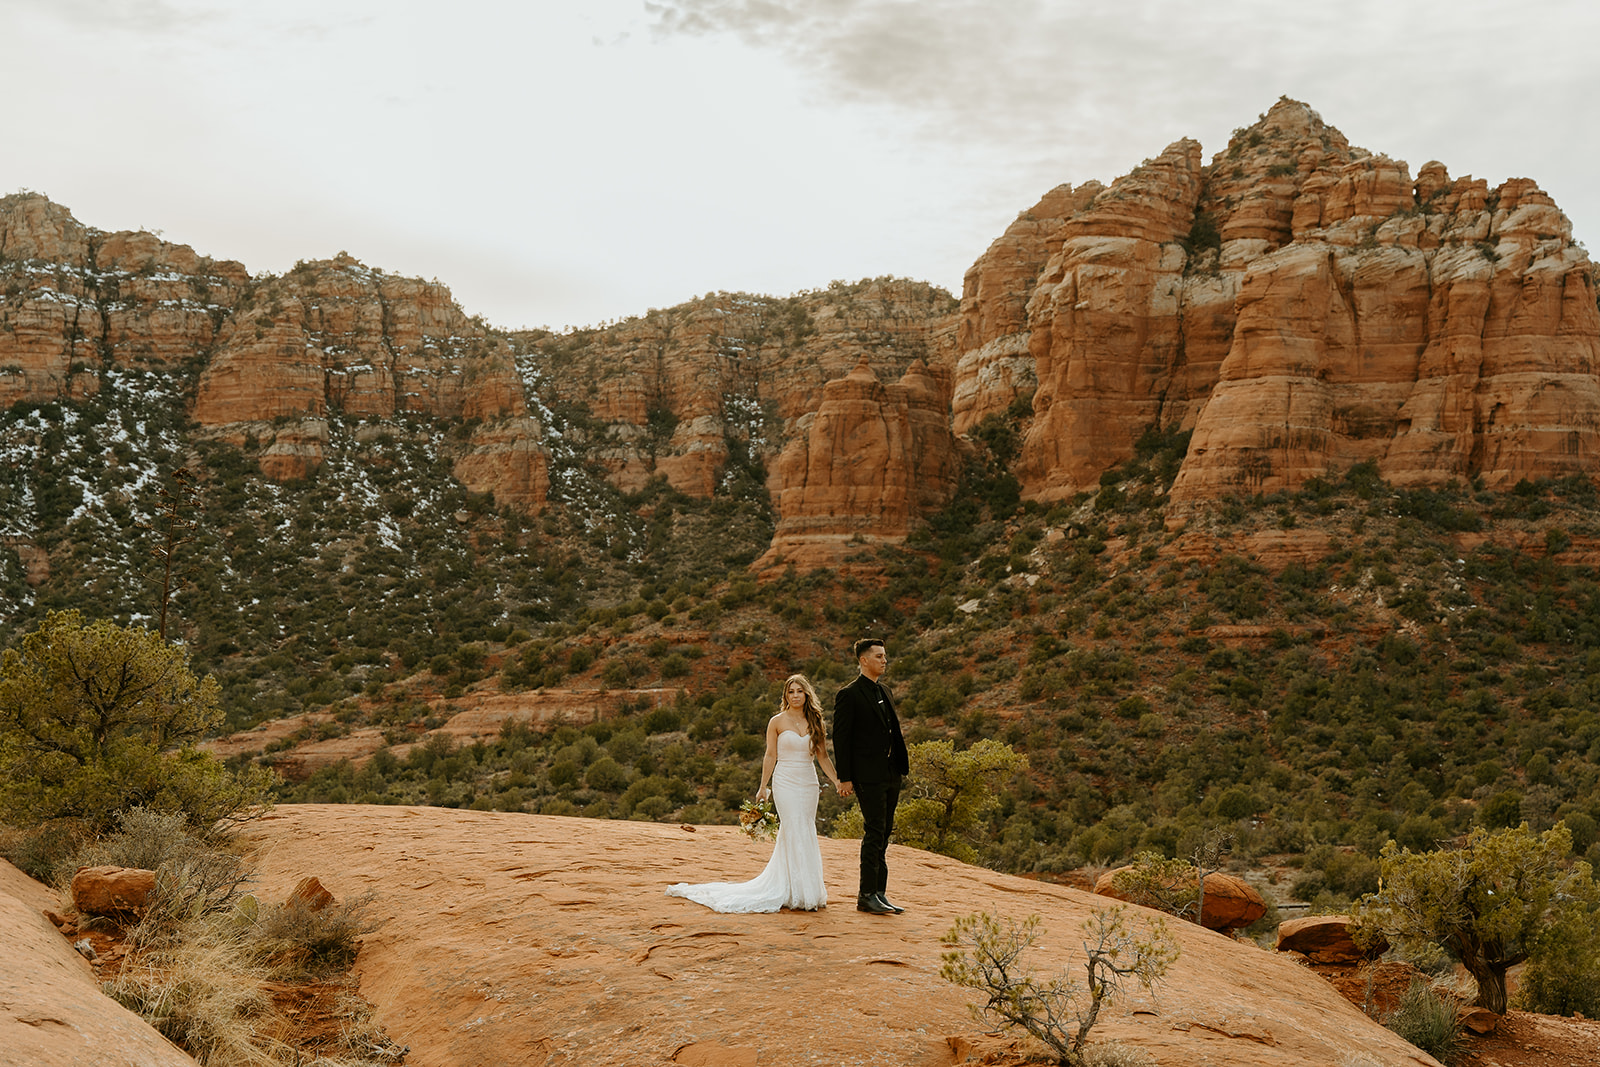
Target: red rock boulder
(311, 894)
(1324, 939)
(1230, 904)
(112, 890)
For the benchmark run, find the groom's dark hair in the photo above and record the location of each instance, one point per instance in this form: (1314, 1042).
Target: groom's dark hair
(861, 646)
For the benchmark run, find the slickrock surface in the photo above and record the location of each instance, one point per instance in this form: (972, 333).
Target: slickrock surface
(52, 1013)
(523, 939)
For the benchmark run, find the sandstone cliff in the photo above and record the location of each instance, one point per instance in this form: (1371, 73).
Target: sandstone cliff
(337, 336)
(278, 354)
(871, 460)
(1301, 305)
(680, 394)
(76, 297)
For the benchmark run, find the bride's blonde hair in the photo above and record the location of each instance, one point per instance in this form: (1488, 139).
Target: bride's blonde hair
(813, 706)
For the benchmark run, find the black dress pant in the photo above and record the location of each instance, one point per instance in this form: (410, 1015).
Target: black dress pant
(878, 800)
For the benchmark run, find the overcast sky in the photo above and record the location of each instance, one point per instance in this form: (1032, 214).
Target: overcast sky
(564, 162)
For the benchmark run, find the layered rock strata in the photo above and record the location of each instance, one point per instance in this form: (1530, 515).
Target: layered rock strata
(685, 393)
(279, 353)
(1301, 305)
(870, 461)
(75, 298)
(337, 336)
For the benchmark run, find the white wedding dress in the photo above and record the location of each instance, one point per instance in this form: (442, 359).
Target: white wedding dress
(793, 878)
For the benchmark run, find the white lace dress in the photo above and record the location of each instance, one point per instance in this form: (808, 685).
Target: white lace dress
(793, 878)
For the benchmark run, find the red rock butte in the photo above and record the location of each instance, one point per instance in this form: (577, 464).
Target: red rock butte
(1301, 306)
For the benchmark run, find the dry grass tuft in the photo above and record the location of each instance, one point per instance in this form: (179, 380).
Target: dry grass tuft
(295, 939)
(202, 990)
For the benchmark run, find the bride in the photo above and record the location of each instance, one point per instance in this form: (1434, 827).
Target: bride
(793, 878)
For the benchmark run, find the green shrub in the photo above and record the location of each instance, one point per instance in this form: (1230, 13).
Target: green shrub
(1428, 1020)
(96, 719)
(606, 775)
(1563, 975)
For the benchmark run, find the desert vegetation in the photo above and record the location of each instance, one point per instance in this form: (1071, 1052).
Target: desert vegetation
(98, 725)
(985, 954)
(1433, 670)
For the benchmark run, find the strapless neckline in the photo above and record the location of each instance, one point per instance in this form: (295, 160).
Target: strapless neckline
(797, 733)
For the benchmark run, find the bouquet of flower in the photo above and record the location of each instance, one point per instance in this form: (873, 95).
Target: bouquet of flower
(757, 820)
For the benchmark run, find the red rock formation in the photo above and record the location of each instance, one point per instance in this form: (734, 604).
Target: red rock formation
(112, 890)
(1324, 939)
(1230, 903)
(1105, 324)
(1464, 344)
(1302, 305)
(508, 459)
(309, 893)
(871, 460)
(677, 389)
(337, 336)
(995, 366)
(74, 295)
(294, 450)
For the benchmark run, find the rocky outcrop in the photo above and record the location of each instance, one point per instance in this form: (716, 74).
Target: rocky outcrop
(75, 298)
(336, 336)
(1302, 305)
(872, 459)
(309, 893)
(1456, 337)
(1324, 939)
(689, 393)
(1229, 904)
(508, 459)
(112, 890)
(1105, 324)
(995, 369)
(280, 354)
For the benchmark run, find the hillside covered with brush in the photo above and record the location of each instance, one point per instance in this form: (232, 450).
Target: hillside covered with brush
(1256, 493)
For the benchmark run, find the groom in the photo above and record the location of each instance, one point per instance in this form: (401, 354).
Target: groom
(869, 754)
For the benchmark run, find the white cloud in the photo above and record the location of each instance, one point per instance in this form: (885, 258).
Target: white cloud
(566, 162)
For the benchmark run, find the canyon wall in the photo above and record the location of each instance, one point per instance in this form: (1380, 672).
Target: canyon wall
(864, 467)
(681, 393)
(277, 354)
(1301, 305)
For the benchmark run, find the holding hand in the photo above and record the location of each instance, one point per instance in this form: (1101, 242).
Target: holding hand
(762, 794)
(845, 789)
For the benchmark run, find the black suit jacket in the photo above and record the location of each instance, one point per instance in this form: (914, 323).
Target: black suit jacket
(866, 747)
